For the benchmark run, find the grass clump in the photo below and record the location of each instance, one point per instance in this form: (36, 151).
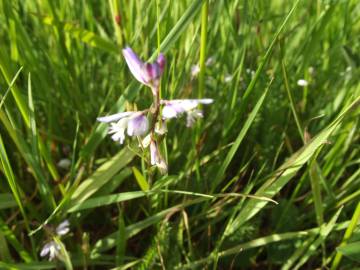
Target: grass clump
(268, 178)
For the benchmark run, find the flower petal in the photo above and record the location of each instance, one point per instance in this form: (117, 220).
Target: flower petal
(135, 65)
(114, 117)
(45, 250)
(63, 228)
(118, 130)
(161, 61)
(137, 125)
(169, 112)
(153, 153)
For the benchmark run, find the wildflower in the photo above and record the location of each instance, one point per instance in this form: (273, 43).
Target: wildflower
(135, 123)
(146, 73)
(52, 248)
(302, 83)
(228, 78)
(63, 228)
(155, 157)
(64, 163)
(176, 107)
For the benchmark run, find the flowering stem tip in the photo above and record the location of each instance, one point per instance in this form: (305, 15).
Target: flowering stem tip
(136, 123)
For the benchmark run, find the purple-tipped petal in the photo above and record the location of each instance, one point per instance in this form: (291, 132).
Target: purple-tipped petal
(153, 71)
(161, 61)
(137, 125)
(114, 117)
(146, 73)
(135, 65)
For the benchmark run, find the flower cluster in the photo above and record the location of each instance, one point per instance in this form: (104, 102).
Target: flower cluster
(136, 123)
(52, 248)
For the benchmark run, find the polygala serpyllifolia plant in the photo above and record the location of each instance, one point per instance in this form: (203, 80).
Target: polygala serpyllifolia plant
(136, 123)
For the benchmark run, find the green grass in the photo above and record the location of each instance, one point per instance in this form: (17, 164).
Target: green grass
(268, 179)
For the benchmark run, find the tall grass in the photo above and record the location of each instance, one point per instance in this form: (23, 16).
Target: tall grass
(268, 179)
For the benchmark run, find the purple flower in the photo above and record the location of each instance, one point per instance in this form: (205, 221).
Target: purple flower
(146, 73)
(52, 248)
(176, 107)
(63, 228)
(136, 124)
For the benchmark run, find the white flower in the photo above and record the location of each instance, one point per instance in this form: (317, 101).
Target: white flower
(228, 78)
(302, 83)
(135, 123)
(51, 248)
(64, 163)
(63, 228)
(176, 107)
(118, 130)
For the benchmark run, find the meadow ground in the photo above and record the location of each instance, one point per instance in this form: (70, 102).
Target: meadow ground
(267, 178)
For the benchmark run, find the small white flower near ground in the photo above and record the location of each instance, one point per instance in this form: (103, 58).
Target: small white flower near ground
(302, 83)
(64, 163)
(228, 78)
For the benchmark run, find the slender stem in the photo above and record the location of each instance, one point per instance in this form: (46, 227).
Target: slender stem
(155, 110)
(158, 25)
(204, 18)
(116, 16)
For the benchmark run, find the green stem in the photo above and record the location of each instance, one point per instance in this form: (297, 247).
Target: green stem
(204, 18)
(203, 38)
(116, 16)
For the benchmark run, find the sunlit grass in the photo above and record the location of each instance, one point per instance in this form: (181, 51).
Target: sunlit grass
(268, 179)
